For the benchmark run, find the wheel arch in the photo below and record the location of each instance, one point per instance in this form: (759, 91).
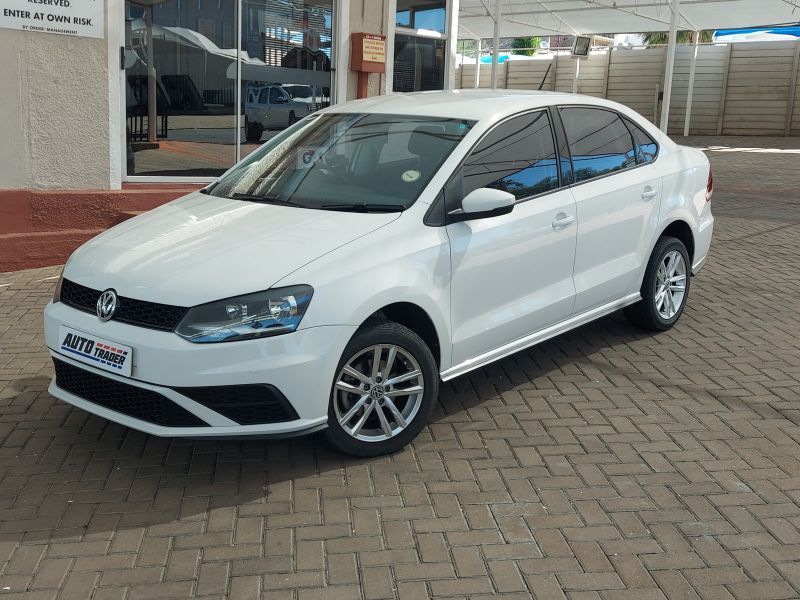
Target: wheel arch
(416, 319)
(681, 230)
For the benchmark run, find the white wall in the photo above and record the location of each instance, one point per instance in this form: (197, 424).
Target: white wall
(54, 111)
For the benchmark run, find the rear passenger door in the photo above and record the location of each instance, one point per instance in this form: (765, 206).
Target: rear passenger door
(511, 274)
(617, 194)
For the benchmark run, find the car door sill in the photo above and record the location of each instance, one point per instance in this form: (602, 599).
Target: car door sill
(539, 336)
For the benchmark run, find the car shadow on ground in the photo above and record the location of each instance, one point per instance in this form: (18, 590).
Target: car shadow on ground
(73, 475)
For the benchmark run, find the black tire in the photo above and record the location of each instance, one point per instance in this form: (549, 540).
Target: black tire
(253, 132)
(389, 333)
(645, 313)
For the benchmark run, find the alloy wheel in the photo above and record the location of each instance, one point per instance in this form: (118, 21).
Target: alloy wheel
(670, 285)
(378, 392)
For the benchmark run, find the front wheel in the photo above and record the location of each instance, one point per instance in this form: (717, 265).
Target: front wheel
(385, 388)
(665, 288)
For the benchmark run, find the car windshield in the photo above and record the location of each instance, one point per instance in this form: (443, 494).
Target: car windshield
(347, 161)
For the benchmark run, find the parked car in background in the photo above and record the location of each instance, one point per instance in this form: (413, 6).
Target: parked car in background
(270, 107)
(312, 95)
(336, 275)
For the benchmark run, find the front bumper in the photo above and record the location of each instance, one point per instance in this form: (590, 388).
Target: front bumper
(301, 365)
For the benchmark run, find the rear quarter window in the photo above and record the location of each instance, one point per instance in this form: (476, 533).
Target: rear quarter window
(646, 146)
(599, 141)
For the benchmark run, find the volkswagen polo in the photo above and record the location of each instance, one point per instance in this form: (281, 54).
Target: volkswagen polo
(335, 276)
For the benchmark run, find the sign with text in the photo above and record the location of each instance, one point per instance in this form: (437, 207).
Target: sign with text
(80, 18)
(374, 48)
(367, 52)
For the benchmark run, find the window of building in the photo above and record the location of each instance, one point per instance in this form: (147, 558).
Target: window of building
(420, 45)
(184, 55)
(418, 63)
(599, 141)
(422, 14)
(517, 156)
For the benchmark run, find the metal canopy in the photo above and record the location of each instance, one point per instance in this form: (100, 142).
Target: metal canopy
(522, 18)
(571, 17)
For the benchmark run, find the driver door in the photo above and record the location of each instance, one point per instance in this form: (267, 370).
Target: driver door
(512, 274)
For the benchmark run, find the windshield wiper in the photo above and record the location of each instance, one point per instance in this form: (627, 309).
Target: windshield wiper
(365, 207)
(263, 199)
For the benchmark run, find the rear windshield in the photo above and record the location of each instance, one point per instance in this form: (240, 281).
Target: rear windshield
(336, 160)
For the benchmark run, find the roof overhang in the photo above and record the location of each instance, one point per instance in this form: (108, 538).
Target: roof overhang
(585, 17)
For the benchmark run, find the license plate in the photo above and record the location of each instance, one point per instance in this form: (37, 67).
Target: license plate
(96, 351)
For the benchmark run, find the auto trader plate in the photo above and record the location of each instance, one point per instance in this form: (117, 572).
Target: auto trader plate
(96, 351)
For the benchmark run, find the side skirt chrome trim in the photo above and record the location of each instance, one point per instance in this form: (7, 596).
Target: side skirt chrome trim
(539, 336)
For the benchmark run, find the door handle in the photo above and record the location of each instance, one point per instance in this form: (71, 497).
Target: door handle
(562, 221)
(649, 193)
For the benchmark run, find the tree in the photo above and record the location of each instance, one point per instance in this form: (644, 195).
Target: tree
(661, 38)
(526, 46)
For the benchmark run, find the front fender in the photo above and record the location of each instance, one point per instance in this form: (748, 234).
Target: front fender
(401, 262)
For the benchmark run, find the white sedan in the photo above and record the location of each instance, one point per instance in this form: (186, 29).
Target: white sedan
(333, 278)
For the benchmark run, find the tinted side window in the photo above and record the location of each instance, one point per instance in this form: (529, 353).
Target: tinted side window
(646, 147)
(262, 98)
(274, 94)
(599, 140)
(517, 156)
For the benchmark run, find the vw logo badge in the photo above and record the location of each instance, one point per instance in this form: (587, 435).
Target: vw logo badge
(106, 305)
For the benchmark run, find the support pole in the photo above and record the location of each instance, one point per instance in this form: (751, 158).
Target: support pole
(496, 43)
(577, 75)
(152, 107)
(670, 67)
(477, 82)
(238, 94)
(687, 121)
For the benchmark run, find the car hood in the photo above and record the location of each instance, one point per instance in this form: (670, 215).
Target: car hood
(202, 248)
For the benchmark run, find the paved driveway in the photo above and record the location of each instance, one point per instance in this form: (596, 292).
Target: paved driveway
(603, 464)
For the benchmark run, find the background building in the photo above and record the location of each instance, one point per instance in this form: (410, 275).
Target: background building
(171, 93)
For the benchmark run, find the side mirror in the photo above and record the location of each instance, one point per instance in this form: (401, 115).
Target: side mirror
(482, 204)
(281, 100)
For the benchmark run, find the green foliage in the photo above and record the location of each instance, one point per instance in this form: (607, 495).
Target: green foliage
(661, 38)
(526, 46)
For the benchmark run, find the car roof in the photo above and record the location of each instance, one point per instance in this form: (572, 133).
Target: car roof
(467, 104)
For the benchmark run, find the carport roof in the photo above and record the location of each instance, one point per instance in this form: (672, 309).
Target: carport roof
(574, 17)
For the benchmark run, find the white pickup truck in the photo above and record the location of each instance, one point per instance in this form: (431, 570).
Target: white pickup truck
(269, 107)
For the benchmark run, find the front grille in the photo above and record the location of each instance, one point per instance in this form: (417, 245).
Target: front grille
(252, 404)
(124, 398)
(151, 315)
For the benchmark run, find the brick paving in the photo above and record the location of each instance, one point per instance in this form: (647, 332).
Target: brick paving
(604, 464)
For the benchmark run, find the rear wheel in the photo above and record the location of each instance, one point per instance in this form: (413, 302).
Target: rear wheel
(385, 388)
(665, 288)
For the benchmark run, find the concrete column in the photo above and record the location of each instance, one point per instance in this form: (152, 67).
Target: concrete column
(452, 44)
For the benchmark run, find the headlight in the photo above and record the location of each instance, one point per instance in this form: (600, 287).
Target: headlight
(57, 291)
(261, 314)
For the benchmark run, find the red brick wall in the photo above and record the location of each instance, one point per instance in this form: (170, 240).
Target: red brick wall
(42, 227)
